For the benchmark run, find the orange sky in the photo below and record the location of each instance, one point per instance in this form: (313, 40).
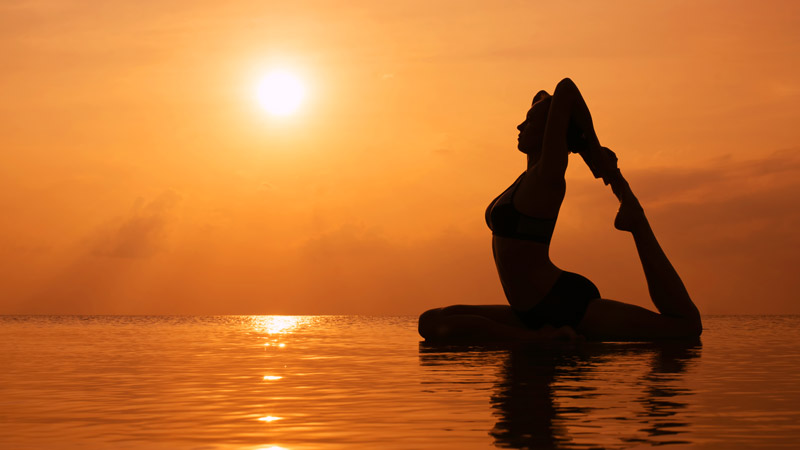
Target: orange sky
(139, 176)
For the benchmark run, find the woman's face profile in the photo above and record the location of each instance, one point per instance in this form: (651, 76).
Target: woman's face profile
(531, 130)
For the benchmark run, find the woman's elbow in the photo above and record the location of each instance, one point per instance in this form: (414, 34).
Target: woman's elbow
(566, 85)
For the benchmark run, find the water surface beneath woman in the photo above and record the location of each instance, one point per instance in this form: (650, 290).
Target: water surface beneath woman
(329, 382)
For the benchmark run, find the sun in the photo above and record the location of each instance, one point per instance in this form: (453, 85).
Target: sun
(281, 92)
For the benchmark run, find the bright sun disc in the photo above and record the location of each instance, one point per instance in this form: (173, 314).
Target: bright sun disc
(280, 93)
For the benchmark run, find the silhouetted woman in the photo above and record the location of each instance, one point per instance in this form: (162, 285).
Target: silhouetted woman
(546, 302)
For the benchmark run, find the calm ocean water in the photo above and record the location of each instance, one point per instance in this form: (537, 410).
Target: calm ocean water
(331, 382)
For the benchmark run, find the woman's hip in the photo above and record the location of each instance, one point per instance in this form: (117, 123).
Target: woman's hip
(564, 305)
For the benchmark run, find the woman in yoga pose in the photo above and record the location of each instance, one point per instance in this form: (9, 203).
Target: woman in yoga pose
(546, 302)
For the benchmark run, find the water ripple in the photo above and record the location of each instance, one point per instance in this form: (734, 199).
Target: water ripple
(303, 382)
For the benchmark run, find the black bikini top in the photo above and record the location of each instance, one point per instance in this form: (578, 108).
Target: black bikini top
(504, 220)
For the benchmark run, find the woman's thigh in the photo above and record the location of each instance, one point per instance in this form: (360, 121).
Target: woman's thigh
(613, 320)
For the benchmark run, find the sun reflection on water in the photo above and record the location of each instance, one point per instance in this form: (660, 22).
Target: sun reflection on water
(269, 419)
(274, 327)
(278, 324)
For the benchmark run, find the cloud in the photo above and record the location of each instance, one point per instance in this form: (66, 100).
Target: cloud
(139, 235)
(105, 277)
(731, 202)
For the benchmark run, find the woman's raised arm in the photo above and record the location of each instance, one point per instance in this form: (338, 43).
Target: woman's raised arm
(567, 108)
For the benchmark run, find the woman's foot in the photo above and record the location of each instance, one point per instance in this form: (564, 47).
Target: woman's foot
(629, 216)
(630, 212)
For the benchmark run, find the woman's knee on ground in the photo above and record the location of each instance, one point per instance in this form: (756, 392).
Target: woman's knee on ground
(434, 323)
(429, 323)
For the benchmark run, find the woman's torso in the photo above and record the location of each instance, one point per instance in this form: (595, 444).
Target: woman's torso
(522, 220)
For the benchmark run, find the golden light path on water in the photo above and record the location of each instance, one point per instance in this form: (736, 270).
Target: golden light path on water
(276, 327)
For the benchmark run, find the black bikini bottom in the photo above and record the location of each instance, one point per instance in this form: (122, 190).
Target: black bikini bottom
(565, 304)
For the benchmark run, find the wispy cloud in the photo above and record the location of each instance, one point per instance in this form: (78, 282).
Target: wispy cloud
(140, 235)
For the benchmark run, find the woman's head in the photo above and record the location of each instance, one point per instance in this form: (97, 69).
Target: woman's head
(531, 130)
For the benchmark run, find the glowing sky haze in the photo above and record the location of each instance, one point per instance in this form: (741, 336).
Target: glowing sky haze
(140, 174)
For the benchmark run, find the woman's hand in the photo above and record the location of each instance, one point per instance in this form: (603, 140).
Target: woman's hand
(601, 161)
